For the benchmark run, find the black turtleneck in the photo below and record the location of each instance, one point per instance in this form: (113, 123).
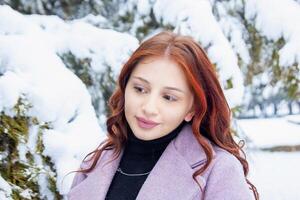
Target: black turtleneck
(140, 156)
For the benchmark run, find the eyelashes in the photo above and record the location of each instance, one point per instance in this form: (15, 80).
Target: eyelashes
(141, 90)
(138, 89)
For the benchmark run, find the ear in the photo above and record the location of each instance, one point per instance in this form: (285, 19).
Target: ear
(189, 116)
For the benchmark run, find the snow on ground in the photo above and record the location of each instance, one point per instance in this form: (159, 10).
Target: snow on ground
(275, 175)
(272, 131)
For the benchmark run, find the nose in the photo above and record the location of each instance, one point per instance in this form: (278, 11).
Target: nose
(149, 106)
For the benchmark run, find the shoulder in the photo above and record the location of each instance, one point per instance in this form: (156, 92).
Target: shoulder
(187, 145)
(225, 177)
(223, 160)
(86, 164)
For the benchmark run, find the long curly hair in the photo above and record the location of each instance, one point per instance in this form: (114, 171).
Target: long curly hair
(212, 115)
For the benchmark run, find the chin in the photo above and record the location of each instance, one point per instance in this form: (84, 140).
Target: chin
(142, 136)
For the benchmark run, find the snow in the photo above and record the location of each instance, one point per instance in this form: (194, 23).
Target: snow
(195, 18)
(232, 28)
(283, 20)
(143, 7)
(272, 132)
(5, 189)
(275, 175)
(56, 94)
(31, 69)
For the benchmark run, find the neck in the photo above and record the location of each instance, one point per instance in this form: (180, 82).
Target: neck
(144, 147)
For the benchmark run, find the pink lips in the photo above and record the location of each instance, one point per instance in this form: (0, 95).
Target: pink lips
(147, 124)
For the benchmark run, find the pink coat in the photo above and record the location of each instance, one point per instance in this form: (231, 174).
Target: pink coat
(171, 177)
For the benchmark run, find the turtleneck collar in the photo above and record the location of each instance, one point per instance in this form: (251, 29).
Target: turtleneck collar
(145, 147)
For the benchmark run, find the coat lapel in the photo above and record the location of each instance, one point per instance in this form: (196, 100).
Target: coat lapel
(171, 177)
(96, 184)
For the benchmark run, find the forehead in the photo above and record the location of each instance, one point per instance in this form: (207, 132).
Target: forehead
(161, 71)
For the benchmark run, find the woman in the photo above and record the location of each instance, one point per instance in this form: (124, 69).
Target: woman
(169, 132)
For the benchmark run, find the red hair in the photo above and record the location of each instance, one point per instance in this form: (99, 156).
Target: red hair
(212, 114)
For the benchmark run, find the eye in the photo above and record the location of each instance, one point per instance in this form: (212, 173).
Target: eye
(139, 89)
(170, 98)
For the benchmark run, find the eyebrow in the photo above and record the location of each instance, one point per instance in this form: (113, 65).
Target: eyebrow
(169, 88)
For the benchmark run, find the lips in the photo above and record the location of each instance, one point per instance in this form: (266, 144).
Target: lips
(146, 124)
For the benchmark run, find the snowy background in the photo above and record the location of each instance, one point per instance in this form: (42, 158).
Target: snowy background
(59, 62)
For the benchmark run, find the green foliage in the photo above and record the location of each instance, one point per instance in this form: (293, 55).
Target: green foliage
(100, 85)
(149, 24)
(229, 84)
(292, 82)
(53, 188)
(236, 110)
(128, 17)
(14, 131)
(264, 62)
(22, 173)
(13, 127)
(107, 85)
(81, 67)
(65, 9)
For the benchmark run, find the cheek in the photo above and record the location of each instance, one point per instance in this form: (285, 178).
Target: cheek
(131, 101)
(174, 113)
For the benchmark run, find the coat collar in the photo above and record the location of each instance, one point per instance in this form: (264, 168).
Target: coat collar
(171, 177)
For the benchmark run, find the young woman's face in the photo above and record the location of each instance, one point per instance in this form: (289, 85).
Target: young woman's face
(157, 98)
